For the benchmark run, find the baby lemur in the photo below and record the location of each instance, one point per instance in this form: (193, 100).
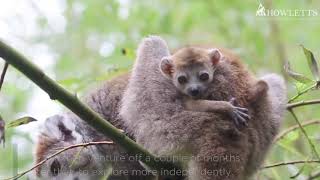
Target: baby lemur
(154, 112)
(191, 70)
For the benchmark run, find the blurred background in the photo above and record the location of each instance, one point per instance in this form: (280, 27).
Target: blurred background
(80, 43)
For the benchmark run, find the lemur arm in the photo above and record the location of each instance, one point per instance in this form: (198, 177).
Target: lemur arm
(238, 114)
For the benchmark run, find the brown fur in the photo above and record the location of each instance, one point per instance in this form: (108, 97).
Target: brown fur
(43, 146)
(230, 67)
(191, 55)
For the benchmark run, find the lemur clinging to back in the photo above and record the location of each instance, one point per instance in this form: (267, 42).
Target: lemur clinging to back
(154, 112)
(191, 70)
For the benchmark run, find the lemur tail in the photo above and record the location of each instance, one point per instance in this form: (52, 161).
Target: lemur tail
(277, 92)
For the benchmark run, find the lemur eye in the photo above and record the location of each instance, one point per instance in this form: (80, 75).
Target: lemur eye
(204, 76)
(182, 79)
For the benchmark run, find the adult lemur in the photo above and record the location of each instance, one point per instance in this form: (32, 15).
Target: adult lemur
(153, 112)
(90, 162)
(240, 151)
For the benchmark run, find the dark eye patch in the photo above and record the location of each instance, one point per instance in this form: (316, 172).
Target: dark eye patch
(67, 133)
(182, 79)
(204, 76)
(55, 167)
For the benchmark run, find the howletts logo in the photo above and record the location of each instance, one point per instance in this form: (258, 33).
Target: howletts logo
(263, 12)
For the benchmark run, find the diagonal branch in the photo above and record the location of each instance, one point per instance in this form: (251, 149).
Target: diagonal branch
(290, 163)
(302, 92)
(313, 148)
(3, 74)
(56, 92)
(295, 127)
(302, 103)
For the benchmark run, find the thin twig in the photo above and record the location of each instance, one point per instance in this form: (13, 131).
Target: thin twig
(305, 134)
(289, 163)
(295, 127)
(57, 153)
(302, 92)
(302, 103)
(76, 156)
(3, 74)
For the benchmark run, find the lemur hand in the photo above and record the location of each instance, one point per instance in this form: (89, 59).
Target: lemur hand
(238, 114)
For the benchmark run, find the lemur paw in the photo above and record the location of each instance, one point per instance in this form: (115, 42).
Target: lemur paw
(239, 115)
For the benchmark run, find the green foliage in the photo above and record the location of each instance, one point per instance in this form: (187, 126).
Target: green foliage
(303, 84)
(313, 65)
(20, 121)
(296, 76)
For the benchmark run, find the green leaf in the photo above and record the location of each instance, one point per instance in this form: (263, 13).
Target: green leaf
(20, 121)
(302, 87)
(293, 135)
(313, 65)
(298, 77)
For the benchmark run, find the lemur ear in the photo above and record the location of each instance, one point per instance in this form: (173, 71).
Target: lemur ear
(166, 67)
(215, 56)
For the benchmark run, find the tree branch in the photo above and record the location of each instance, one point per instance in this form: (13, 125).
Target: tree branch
(302, 103)
(302, 92)
(57, 153)
(3, 74)
(56, 92)
(305, 134)
(295, 127)
(290, 163)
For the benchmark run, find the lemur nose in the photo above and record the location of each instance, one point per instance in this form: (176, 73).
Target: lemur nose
(194, 91)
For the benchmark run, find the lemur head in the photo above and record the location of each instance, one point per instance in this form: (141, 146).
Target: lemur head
(191, 69)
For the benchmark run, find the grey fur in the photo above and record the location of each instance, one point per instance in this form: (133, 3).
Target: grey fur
(67, 129)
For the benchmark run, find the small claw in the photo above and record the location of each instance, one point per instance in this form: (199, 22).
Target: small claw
(244, 110)
(243, 121)
(240, 119)
(239, 115)
(235, 120)
(245, 115)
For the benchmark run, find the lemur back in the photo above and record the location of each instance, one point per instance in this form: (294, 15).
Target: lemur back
(92, 162)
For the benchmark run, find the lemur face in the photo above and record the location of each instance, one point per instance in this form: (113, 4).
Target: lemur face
(191, 70)
(193, 80)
